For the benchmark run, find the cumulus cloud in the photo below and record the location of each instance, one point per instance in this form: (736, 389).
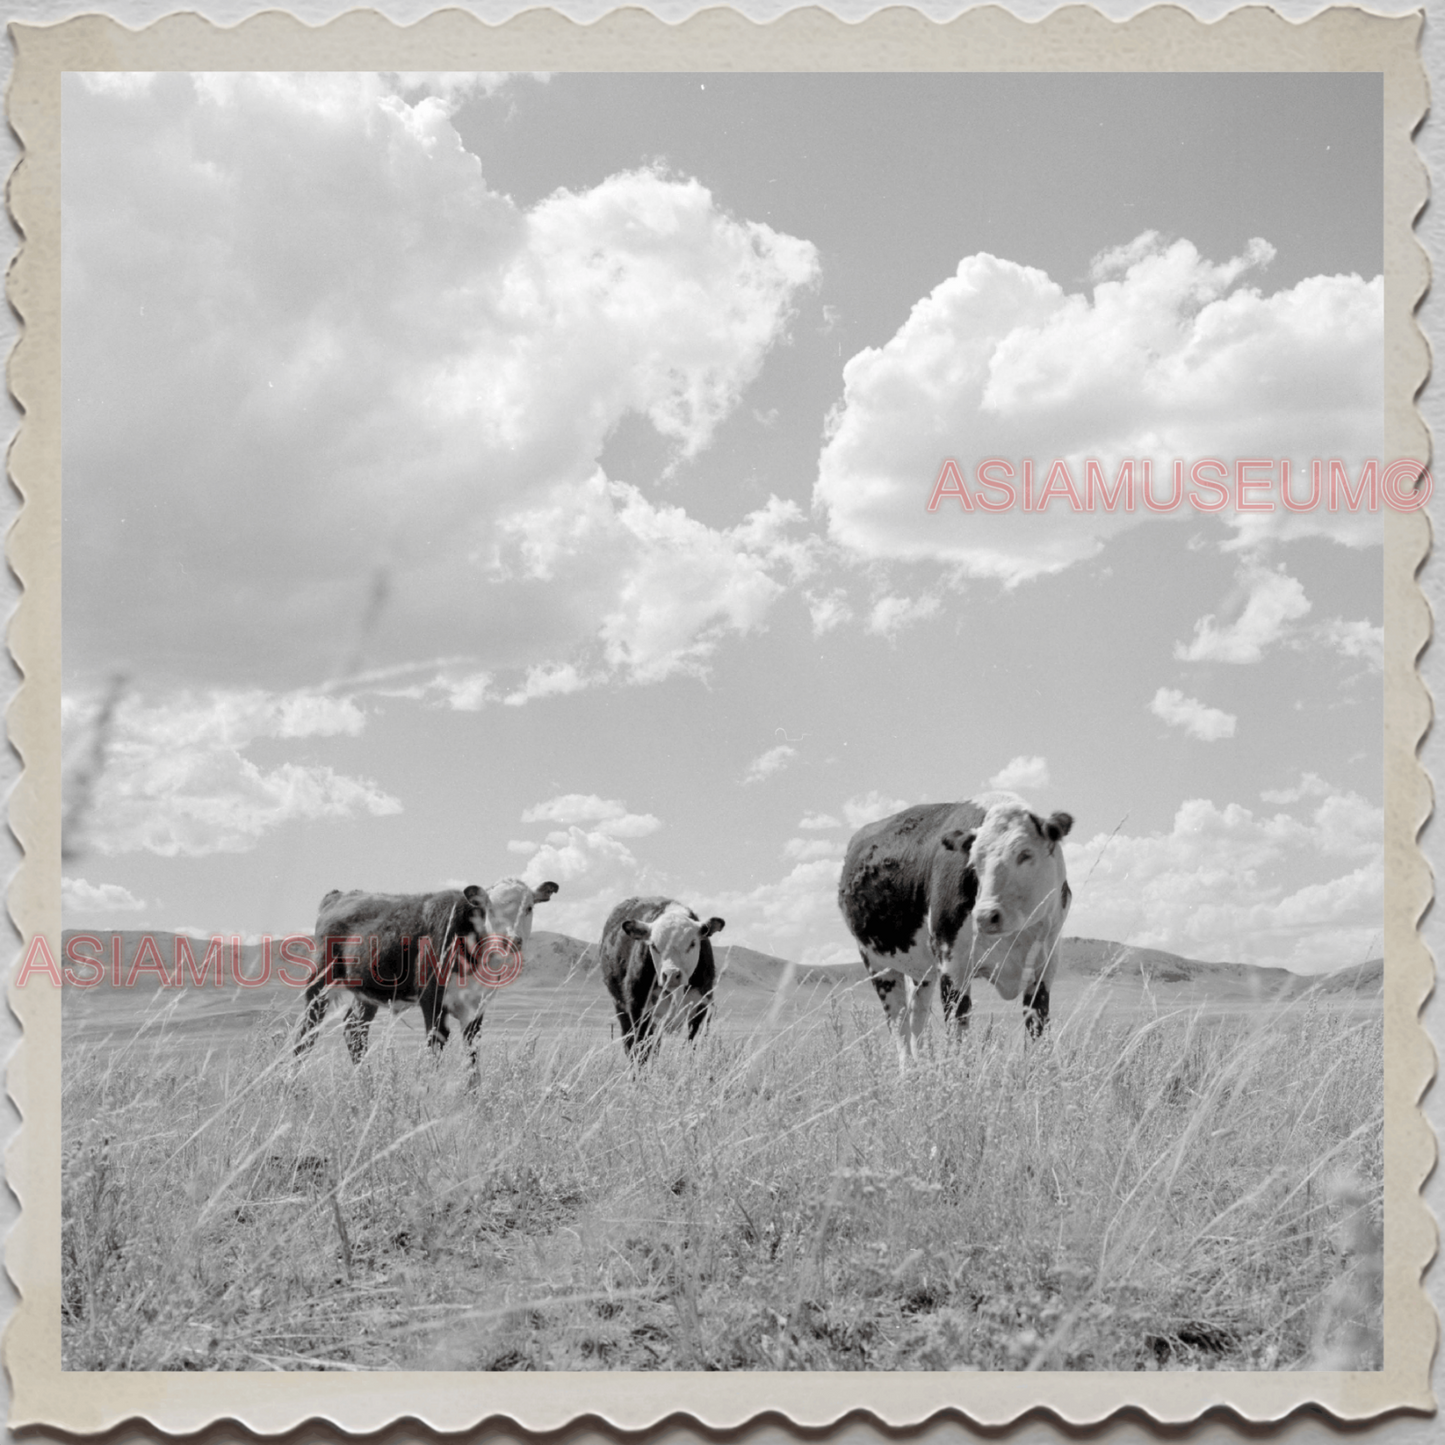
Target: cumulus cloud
(1169, 359)
(794, 917)
(607, 815)
(1358, 639)
(770, 762)
(451, 89)
(1208, 724)
(828, 610)
(590, 856)
(594, 868)
(550, 679)
(79, 896)
(1310, 785)
(869, 807)
(666, 587)
(177, 780)
(302, 321)
(818, 821)
(1232, 885)
(1273, 601)
(1022, 774)
(891, 614)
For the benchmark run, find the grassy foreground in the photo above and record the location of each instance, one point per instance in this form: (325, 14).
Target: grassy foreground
(1185, 1190)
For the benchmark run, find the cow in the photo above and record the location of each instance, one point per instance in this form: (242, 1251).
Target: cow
(445, 951)
(949, 891)
(657, 962)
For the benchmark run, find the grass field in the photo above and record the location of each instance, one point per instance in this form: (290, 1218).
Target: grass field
(1148, 1187)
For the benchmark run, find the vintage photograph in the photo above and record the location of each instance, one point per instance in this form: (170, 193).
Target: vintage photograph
(723, 721)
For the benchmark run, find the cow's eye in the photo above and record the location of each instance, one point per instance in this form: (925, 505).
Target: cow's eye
(1026, 856)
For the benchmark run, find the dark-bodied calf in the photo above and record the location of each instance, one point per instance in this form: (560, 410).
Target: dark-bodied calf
(657, 962)
(445, 951)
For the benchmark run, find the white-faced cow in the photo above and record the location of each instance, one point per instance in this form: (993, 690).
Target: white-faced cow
(446, 951)
(657, 963)
(952, 891)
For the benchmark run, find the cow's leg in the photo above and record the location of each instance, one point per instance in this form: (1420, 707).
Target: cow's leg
(624, 1023)
(645, 1038)
(1036, 1009)
(317, 998)
(957, 1004)
(357, 1023)
(699, 1008)
(434, 1003)
(697, 1017)
(920, 996)
(438, 1032)
(891, 987)
(469, 1037)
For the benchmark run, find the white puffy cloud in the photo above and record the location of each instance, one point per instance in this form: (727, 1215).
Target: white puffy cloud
(795, 917)
(1208, 724)
(607, 815)
(891, 614)
(453, 88)
(1169, 359)
(1359, 639)
(176, 779)
(1026, 774)
(1273, 601)
(574, 852)
(770, 762)
(595, 869)
(818, 821)
(77, 895)
(298, 318)
(1231, 885)
(1310, 785)
(549, 679)
(869, 807)
(828, 610)
(666, 587)
(802, 849)
(590, 856)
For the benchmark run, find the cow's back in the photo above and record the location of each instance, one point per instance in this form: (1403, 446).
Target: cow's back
(883, 888)
(385, 914)
(397, 922)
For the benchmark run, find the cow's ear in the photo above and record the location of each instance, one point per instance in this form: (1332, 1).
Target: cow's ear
(633, 929)
(543, 891)
(713, 925)
(958, 841)
(477, 897)
(1058, 826)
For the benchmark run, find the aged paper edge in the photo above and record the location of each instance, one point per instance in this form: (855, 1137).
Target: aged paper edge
(1076, 38)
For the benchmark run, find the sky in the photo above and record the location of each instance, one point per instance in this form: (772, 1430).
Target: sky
(468, 476)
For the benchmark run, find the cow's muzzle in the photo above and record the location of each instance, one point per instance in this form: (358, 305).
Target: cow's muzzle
(988, 920)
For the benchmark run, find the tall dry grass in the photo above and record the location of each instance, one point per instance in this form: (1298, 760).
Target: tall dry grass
(1132, 1192)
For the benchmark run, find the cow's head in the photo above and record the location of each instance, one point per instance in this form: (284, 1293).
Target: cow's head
(1020, 869)
(504, 910)
(674, 938)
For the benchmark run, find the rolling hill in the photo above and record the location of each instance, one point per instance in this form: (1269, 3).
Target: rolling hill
(560, 988)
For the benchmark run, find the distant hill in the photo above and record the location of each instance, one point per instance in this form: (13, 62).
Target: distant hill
(560, 953)
(1095, 957)
(557, 959)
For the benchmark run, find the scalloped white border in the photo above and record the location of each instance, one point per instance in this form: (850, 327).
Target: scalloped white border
(1076, 38)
